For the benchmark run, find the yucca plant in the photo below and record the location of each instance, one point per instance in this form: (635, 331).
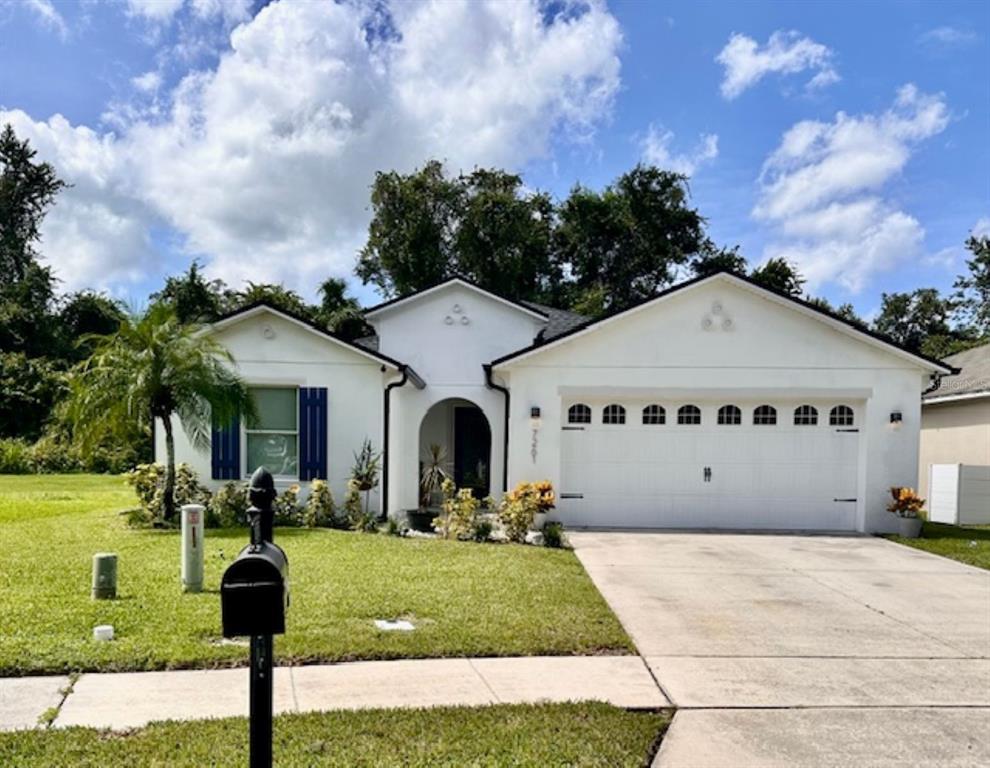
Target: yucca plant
(434, 473)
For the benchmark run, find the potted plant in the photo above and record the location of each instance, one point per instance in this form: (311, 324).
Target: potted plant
(364, 474)
(907, 505)
(432, 475)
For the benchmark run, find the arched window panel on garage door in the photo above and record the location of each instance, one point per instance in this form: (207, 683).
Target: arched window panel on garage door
(654, 414)
(579, 413)
(805, 416)
(765, 415)
(729, 414)
(689, 414)
(614, 414)
(841, 416)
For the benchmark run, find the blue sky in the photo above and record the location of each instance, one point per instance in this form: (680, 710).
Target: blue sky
(851, 138)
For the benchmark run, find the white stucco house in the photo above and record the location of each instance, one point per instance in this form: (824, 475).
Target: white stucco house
(716, 404)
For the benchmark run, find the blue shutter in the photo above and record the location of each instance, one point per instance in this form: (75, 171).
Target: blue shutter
(225, 451)
(312, 433)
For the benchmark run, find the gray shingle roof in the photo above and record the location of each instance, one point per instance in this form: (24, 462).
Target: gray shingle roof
(561, 320)
(973, 379)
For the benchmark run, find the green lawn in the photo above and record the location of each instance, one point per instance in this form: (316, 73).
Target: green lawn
(532, 735)
(465, 598)
(967, 544)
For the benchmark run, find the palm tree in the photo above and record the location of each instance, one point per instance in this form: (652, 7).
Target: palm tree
(151, 368)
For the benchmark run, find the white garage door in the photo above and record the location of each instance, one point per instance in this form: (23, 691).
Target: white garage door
(756, 469)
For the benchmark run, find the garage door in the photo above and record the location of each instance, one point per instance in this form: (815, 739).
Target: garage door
(742, 465)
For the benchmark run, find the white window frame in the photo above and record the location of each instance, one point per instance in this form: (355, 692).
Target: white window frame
(841, 415)
(806, 415)
(620, 414)
(654, 414)
(586, 414)
(245, 430)
(724, 413)
(759, 418)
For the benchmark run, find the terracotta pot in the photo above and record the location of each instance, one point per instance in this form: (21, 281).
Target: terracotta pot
(910, 527)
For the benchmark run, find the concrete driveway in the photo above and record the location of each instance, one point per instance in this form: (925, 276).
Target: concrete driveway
(804, 650)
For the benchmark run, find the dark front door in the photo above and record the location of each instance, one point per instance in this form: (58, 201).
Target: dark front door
(472, 450)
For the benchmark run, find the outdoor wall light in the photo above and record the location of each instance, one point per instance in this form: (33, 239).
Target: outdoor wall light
(896, 418)
(534, 423)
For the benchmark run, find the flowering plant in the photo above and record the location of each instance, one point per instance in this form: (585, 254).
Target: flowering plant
(906, 503)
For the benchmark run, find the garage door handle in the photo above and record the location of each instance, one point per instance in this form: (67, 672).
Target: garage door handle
(572, 495)
(844, 499)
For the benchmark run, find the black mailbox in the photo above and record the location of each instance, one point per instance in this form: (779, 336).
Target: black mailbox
(254, 592)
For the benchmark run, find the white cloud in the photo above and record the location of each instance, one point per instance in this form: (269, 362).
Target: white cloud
(154, 10)
(949, 37)
(746, 63)
(821, 190)
(982, 227)
(656, 151)
(149, 82)
(49, 16)
(97, 233)
(263, 163)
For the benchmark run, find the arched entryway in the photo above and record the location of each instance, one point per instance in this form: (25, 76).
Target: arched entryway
(455, 435)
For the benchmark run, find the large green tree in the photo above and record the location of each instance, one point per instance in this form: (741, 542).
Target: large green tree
(623, 244)
(193, 298)
(411, 236)
(778, 274)
(711, 259)
(918, 320)
(154, 367)
(503, 236)
(973, 290)
(27, 190)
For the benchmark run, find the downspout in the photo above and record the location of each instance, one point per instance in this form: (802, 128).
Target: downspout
(385, 444)
(505, 427)
(936, 382)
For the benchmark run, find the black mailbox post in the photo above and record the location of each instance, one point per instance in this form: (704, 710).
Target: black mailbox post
(254, 595)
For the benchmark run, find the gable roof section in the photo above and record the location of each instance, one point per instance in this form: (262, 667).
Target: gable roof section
(257, 308)
(423, 292)
(805, 307)
(973, 379)
(560, 321)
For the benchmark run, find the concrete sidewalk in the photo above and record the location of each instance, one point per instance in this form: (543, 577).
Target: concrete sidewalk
(132, 699)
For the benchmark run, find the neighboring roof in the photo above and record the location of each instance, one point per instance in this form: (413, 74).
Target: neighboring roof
(392, 303)
(973, 379)
(840, 323)
(560, 320)
(257, 307)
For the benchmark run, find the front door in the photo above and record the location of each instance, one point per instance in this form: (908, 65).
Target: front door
(472, 450)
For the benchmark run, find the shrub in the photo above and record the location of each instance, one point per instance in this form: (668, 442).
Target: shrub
(394, 527)
(457, 519)
(148, 481)
(286, 507)
(49, 455)
(319, 511)
(228, 507)
(358, 518)
(15, 457)
(482, 530)
(553, 535)
(520, 505)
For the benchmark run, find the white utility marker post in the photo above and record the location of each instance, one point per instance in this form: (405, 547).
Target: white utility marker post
(192, 547)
